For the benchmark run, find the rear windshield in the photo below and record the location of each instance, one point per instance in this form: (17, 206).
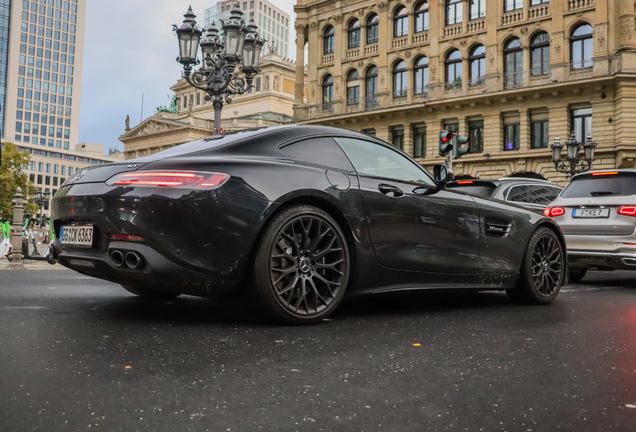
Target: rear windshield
(621, 184)
(480, 190)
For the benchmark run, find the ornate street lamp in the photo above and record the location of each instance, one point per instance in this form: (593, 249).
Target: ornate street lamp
(240, 47)
(40, 199)
(574, 162)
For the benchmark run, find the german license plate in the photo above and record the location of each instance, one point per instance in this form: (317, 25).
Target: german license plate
(591, 213)
(81, 235)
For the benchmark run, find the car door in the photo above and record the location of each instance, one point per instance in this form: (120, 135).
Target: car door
(410, 227)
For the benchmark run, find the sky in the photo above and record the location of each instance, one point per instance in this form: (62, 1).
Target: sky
(130, 49)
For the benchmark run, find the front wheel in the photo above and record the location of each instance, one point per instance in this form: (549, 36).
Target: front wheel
(150, 294)
(542, 271)
(302, 266)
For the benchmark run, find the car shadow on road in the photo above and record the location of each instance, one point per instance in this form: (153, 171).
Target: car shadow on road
(606, 279)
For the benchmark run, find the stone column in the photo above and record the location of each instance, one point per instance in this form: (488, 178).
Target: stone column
(524, 130)
(16, 231)
(408, 139)
(300, 64)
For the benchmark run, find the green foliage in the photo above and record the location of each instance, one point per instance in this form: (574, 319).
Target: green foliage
(12, 177)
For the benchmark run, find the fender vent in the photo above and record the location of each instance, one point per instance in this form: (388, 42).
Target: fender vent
(497, 227)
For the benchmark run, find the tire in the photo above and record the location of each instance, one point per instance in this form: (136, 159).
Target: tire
(576, 274)
(542, 270)
(150, 294)
(301, 267)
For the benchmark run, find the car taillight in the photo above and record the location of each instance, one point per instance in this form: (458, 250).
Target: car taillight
(627, 210)
(125, 237)
(464, 182)
(554, 211)
(172, 179)
(604, 173)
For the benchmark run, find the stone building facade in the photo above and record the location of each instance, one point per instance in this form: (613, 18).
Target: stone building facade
(511, 74)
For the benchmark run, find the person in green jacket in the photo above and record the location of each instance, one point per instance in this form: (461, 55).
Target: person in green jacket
(6, 229)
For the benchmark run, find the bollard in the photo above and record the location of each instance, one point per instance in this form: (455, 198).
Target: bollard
(16, 231)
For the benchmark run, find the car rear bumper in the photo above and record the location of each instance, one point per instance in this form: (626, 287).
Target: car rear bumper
(603, 260)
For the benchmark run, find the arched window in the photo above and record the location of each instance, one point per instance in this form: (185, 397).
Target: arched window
(421, 17)
(327, 92)
(454, 12)
(372, 29)
(354, 34)
(581, 47)
(420, 76)
(540, 54)
(371, 87)
(400, 22)
(353, 88)
(513, 64)
(477, 62)
(477, 9)
(400, 85)
(328, 40)
(454, 70)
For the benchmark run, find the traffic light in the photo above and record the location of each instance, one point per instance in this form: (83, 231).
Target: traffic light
(459, 151)
(445, 142)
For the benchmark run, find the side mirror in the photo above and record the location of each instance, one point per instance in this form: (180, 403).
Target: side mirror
(442, 174)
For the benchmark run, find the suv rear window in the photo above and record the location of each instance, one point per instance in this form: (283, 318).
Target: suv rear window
(484, 189)
(621, 184)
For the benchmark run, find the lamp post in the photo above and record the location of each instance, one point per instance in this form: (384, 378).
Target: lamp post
(40, 199)
(240, 47)
(574, 162)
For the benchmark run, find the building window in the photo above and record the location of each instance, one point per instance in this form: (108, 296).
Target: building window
(538, 2)
(400, 22)
(327, 93)
(512, 132)
(454, 12)
(477, 63)
(258, 84)
(513, 64)
(420, 76)
(370, 132)
(353, 88)
(510, 5)
(400, 86)
(477, 9)
(451, 127)
(454, 70)
(476, 136)
(328, 40)
(419, 141)
(581, 47)
(371, 87)
(539, 130)
(540, 54)
(397, 137)
(354, 34)
(582, 123)
(421, 17)
(372, 29)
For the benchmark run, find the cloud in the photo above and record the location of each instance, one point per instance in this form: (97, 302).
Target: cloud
(130, 49)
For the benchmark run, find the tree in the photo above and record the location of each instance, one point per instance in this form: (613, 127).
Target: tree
(12, 177)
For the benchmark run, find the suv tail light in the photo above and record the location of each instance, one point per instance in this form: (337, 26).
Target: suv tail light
(172, 179)
(627, 210)
(554, 211)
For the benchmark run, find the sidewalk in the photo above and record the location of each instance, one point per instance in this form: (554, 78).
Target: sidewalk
(32, 265)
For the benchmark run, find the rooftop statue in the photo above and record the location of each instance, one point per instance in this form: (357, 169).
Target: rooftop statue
(172, 109)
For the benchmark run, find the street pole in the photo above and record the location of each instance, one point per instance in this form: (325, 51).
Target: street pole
(16, 232)
(449, 160)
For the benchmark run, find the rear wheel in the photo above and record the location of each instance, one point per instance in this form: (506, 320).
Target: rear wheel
(542, 271)
(150, 294)
(576, 274)
(302, 266)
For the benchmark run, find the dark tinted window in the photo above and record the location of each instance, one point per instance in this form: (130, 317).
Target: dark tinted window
(621, 184)
(542, 195)
(319, 151)
(518, 194)
(484, 191)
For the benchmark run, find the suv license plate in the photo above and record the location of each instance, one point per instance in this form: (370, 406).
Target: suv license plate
(591, 213)
(77, 236)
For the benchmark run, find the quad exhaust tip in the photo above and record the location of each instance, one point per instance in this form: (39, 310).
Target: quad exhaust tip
(117, 257)
(134, 260)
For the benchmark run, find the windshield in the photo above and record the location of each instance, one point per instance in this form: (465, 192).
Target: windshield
(587, 186)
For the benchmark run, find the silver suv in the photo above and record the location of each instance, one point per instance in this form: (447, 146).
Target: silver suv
(597, 213)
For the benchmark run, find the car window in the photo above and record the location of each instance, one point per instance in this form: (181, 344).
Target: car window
(319, 151)
(379, 161)
(518, 194)
(542, 195)
(484, 191)
(587, 186)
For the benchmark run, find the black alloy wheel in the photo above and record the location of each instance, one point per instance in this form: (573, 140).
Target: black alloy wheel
(302, 267)
(543, 269)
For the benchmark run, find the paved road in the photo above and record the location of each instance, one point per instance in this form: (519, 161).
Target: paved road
(81, 354)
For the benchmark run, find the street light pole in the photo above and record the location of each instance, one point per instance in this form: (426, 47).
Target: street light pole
(239, 49)
(574, 162)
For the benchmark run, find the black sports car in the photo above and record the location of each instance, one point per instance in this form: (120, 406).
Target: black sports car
(294, 218)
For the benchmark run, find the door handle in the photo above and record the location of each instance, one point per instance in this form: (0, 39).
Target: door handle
(391, 191)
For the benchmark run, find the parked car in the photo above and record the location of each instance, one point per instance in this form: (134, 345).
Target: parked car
(597, 213)
(297, 216)
(531, 193)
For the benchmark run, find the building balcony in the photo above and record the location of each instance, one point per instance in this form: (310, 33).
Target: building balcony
(540, 11)
(512, 17)
(476, 25)
(421, 37)
(574, 5)
(327, 59)
(352, 53)
(452, 30)
(371, 49)
(400, 42)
